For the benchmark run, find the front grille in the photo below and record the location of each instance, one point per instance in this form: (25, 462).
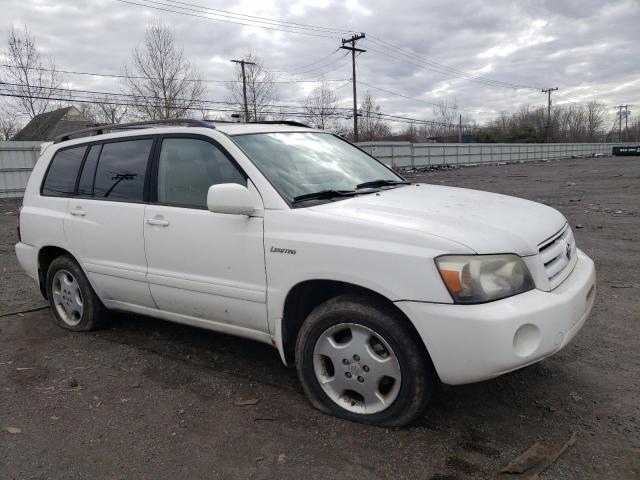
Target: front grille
(558, 255)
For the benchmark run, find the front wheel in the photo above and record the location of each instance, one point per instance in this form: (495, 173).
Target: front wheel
(357, 359)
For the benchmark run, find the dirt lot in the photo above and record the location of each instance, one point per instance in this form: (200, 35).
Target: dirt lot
(149, 399)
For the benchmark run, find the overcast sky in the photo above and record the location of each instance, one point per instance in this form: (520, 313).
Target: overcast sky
(589, 49)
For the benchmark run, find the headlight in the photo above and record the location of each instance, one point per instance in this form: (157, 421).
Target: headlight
(484, 278)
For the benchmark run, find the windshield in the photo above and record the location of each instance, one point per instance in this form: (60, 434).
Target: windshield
(303, 163)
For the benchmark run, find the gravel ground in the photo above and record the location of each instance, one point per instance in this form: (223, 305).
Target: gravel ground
(150, 399)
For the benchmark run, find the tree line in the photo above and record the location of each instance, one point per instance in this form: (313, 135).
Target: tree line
(160, 82)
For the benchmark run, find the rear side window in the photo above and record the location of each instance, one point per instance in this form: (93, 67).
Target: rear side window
(85, 185)
(121, 170)
(60, 180)
(187, 167)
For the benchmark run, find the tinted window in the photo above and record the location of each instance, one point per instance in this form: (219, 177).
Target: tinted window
(63, 172)
(85, 185)
(188, 167)
(121, 170)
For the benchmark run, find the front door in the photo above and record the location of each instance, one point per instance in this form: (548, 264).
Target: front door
(200, 264)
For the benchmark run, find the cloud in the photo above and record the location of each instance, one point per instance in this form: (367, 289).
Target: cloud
(587, 48)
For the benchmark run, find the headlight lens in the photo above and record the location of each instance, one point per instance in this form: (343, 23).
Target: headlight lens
(484, 278)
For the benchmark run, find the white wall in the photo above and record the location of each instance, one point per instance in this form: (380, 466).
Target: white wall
(406, 154)
(16, 161)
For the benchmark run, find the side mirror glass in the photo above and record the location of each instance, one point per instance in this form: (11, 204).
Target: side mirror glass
(230, 198)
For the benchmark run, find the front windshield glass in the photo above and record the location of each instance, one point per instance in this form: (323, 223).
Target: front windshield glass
(301, 163)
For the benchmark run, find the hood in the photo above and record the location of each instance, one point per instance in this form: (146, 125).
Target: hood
(485, 222)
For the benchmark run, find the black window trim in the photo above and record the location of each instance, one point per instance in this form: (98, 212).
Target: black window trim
(102, 143)
(84, 163)
(153, 177)
(46, 173)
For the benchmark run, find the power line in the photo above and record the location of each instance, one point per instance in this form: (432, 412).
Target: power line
(263, 19)
(113, 75)
(108, 95)
(445, 69)
(185, 8)
(302, 67)
(81, 97)
(126, 96)
(321, 67)
(187, 13)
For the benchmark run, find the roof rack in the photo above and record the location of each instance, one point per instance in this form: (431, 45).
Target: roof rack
(102, 129)
(292, 123)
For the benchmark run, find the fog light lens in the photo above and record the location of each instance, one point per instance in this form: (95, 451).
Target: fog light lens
(526, 340)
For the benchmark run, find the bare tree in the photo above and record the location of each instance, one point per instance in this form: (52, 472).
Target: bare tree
(322, 106)
(8, 124)
(162, 82)
(110, 111)
(32, 78)
(105, 111)
(595, 119)
(371, 125)
(261, 88)
(633, 132)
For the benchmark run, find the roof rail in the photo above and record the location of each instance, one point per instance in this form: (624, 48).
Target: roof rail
(292, 123)
(102, 129)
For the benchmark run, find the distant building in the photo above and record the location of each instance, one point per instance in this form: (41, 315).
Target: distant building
(47, 126)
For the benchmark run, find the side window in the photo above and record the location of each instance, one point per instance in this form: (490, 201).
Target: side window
(85, 185)
(188, 167)
(63, 172)
(121, 170)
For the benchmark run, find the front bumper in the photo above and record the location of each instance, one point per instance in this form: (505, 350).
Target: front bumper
(470, 343)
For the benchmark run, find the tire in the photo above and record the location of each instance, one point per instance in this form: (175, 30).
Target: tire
(74, 304)
(357, 359)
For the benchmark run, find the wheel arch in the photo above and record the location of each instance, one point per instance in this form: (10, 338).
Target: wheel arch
(46, 255)
(307, 295)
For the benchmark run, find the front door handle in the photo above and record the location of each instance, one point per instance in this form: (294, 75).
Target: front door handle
(78, 212)
(157, 221)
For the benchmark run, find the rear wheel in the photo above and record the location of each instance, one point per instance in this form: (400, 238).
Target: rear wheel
(74, 304)
(358, 360)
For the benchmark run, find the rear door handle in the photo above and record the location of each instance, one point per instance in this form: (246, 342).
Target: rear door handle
(78, 212)
(157, 221)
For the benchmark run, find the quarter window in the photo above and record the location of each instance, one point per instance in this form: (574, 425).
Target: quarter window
(188, 167)
(63, 172)
(121, 170)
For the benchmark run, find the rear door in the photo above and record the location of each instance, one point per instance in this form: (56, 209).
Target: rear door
(200, 264)
(104, 224)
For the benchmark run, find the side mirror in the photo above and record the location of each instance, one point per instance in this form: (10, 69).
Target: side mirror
(230, 198)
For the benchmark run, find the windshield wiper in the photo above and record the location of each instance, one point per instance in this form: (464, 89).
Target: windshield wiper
(323, 194)
(381, 183)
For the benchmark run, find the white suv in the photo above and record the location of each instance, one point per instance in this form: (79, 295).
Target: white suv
(374, 287)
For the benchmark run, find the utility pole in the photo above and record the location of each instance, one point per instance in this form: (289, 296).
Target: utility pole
(548, 92)
(626, 121)
(244, 86)
(620, 107)
(352, 41)
(460, 130)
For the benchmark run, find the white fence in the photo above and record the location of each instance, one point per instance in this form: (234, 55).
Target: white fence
(18, 158)
(406, 154)
(16, 161)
